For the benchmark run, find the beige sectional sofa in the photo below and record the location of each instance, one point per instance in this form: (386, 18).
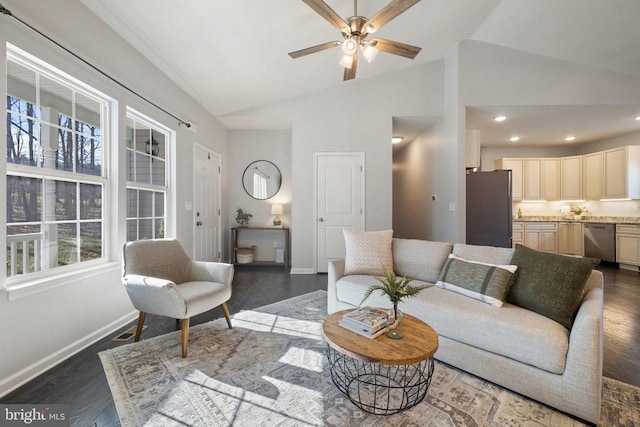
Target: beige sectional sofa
(511, 346)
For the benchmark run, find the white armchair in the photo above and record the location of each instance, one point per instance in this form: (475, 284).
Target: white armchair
(161, 279)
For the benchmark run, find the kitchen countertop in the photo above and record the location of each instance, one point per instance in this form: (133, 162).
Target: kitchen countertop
(583, 218)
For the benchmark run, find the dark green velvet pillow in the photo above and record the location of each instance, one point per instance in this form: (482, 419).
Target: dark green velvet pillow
(550, 284)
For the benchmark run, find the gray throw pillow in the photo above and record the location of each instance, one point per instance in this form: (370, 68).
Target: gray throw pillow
(550, 284)
(485, 282)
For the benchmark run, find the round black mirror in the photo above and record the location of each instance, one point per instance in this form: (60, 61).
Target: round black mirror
(261, 179)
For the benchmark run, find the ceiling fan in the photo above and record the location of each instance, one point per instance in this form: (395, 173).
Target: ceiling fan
(355, 30)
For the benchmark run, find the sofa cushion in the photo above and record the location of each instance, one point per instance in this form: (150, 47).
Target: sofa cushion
(511, 331)
(550, 284)
(421, 259)
(368, 252)
(482, 281)
(490, 254)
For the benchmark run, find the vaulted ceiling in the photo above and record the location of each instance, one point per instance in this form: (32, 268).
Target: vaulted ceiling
(232, 55)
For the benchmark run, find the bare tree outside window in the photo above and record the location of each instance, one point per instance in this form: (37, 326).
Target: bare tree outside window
(55, 211)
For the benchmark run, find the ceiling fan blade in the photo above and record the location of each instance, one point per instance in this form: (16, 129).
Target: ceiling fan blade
(314, 49)
(329, 14)
(395, 48)
(387, 13)
(350, 73)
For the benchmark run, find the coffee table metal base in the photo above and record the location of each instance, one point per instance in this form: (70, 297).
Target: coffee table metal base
(380, 389)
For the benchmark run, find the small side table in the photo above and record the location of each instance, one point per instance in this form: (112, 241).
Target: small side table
(381, 376)
(233, 242)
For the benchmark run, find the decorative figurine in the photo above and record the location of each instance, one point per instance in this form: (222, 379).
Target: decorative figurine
(243, 218)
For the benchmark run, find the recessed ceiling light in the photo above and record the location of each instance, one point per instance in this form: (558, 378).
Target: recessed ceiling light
(638, 118)
(500, 118)
(570, 138)
(396, 140)
(514, 139)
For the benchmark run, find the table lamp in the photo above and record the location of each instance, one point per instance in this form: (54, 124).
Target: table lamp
(276, 210)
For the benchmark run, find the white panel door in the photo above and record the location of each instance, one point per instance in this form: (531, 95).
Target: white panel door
(206, 205)
(339, 203)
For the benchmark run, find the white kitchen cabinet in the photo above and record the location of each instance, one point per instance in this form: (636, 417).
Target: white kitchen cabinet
(541, 180)
(622, 173)
(516, 165)
(473, 148)
(532, 182)
(550, 179)
(571, 238)
(592, 176)
(517, 232)
(571, 178)
(628, 244)
(541, 236)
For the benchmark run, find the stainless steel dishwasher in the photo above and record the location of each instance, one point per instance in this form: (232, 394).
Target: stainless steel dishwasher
(600, 241)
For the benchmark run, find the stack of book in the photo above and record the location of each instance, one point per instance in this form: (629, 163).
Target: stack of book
(366, 321)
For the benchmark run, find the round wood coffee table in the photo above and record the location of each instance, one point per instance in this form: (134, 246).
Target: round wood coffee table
(381, 376)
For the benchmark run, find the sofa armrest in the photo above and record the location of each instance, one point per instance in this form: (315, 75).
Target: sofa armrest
(154, 295)
(583, 372)
(218, 272)
(334, 273)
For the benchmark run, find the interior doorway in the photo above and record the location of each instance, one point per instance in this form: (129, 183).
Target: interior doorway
(339, 203)
(206, 204)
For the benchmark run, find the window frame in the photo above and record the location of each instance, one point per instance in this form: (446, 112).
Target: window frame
(167, 188)
(37, 281)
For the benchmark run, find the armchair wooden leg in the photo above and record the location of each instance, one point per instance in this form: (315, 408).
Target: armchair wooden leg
(226, 314)
(185, 336)
(141, 317)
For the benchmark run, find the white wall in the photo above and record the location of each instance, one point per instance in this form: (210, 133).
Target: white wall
(41, 330)
(245, 147)
(353, 117)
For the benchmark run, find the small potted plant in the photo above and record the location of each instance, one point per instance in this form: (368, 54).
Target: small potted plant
(396, 288)
(577, 211)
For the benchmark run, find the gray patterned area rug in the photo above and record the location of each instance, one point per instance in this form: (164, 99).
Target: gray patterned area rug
(271, 369)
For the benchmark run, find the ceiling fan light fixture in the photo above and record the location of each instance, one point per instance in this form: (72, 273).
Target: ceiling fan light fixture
(369, 52)
(349, 46)
(347, 61)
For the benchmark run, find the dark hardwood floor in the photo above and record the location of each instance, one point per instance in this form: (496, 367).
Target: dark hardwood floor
(80, 381)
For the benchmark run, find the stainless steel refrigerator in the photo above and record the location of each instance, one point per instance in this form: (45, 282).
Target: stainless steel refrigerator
(489, 211)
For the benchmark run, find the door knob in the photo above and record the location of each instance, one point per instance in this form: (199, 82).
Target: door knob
(321, 219)
(199, 223)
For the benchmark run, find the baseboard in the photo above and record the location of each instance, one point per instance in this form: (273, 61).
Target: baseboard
(7, 385)
(302, 271)
(629, 267)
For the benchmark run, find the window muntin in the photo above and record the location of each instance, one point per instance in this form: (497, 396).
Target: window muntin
(147, 186)
(56, 178)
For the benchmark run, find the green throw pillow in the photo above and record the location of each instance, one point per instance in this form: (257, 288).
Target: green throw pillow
(550, 284)
(485, 282)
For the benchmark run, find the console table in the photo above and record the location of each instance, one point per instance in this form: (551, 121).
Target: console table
(235, 232)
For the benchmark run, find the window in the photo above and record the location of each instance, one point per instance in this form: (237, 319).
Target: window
(56, 178)
(147, 185)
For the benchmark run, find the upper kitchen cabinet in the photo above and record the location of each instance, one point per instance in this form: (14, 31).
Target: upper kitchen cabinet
(532, 181)
(592, 176)
(473, 148)
(541, 179)
(550, 179)
(517, 169)
(622, 173)
(571, 178)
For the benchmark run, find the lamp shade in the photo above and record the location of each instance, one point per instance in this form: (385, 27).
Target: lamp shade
(276, 209)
